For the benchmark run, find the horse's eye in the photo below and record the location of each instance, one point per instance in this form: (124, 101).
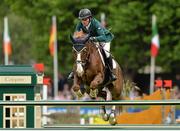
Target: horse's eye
(74, 53)
(85, 49)
(85, 52)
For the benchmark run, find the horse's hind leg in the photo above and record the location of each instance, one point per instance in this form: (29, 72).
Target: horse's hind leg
(116, 93)
(103, 113)
(112, 115)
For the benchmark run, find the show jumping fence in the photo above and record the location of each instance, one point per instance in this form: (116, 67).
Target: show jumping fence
(97, 103)
(91, 103)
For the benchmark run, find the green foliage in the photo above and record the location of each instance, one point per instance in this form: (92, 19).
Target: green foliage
(129, 21)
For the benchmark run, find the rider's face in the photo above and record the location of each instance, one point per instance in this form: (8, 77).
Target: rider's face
(85, 21)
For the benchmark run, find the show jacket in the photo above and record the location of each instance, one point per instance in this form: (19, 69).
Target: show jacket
(96, 30)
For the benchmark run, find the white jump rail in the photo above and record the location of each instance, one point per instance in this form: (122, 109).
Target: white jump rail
(91, 103)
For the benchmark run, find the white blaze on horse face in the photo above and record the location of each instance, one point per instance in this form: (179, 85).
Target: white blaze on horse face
(79, 69)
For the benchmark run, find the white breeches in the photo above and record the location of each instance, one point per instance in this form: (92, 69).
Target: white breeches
(106, 47)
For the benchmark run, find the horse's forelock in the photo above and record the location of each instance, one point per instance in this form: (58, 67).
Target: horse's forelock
(81, 39)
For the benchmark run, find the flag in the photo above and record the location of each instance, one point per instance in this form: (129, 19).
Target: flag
(168, 83)
(155, 39)
(6, 39)
(52, 39)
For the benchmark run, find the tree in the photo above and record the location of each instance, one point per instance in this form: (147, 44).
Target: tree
(130, 21)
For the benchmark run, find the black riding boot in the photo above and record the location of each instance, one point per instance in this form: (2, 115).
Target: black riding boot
(110, 66)
(71, 75)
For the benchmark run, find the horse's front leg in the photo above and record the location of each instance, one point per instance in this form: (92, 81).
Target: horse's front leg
(98, 79)
(104, 114)
(76, 86)
(112, 115)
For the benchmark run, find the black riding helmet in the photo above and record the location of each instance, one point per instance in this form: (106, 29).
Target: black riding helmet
(84, 13)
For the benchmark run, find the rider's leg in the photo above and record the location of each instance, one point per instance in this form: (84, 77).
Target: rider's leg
(110, 64)
(106, 47)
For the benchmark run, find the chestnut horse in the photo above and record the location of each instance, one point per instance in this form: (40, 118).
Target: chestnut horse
(89, 69)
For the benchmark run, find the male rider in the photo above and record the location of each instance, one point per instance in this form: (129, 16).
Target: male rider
(98, 33)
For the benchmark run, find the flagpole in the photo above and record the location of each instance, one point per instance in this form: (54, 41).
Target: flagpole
(152, 75)
(154, 51)
(103, 17)
(6, 56)
(55, 59)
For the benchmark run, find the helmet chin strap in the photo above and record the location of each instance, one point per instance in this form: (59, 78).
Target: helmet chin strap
(87, 27)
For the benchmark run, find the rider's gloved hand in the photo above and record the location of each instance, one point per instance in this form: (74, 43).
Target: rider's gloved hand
(93, 39)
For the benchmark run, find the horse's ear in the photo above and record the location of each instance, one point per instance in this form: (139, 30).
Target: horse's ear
(72, 39)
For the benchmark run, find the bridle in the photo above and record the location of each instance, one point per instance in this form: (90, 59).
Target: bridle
(81, 42)
(82, 62)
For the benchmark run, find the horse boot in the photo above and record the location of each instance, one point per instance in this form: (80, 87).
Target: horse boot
(71, 75)
(110, 66)
(93, 93)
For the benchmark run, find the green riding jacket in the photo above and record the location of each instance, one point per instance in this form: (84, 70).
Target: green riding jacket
(96, 30)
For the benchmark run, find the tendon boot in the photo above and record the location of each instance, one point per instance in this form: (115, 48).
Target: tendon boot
(71, 75)
(110, 66)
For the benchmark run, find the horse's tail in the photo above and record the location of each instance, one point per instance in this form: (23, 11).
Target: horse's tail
(127, 84)
(127, 87)
(124, 84)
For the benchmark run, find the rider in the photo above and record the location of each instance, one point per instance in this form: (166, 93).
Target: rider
(98, 33)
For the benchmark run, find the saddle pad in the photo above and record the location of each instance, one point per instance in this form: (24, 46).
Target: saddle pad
(103, 57)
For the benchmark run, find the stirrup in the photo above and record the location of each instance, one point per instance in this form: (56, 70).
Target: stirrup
(113, 77)
(71, 76)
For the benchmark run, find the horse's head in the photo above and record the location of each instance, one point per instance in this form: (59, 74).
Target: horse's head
(80, 52)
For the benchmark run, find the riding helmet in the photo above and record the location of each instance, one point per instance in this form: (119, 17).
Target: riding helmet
(84, 13)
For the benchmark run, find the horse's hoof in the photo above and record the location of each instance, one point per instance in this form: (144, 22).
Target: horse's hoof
(105, 117)
(112, 119)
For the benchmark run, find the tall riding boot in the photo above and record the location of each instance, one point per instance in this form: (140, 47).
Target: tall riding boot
(71, 75)
(110, 66)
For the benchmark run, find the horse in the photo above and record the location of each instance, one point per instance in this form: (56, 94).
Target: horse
(89, 69)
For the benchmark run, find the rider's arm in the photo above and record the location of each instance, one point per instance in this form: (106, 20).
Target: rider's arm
(103, 35)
